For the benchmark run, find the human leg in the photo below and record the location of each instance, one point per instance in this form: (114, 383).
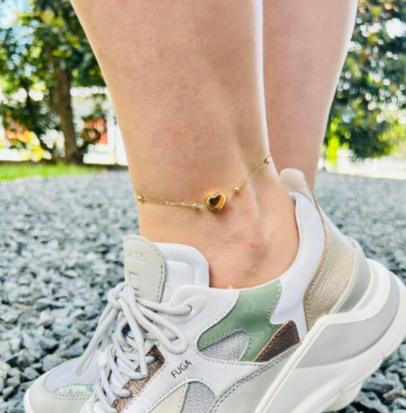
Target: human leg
(186, 81)
(305, 44)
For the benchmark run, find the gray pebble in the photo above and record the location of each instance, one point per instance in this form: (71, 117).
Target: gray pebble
(5, 350)
(30, 374)
(369, 403)
(25, 359)
(48, 344)
(73, 351)
(13, 382)
(4, 368)
(399, 404)
(9, 315)
(50, 361)
(402, 352)
(379, 385)
(394, 394)
(8, 392)
(15, 344)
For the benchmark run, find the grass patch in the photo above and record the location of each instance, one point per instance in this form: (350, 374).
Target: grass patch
(15, 171)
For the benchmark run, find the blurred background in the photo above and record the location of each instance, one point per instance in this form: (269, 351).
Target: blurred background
(55, 108)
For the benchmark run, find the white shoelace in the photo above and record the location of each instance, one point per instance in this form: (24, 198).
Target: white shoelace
(123, 363)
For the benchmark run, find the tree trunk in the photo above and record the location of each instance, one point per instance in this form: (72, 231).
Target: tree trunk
(63, 106)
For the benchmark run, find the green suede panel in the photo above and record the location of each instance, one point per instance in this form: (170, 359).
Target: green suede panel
(251, 314)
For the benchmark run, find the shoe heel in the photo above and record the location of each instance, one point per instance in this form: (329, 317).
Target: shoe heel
(344, 399)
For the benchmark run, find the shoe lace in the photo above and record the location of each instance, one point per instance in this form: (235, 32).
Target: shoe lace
(124, 357)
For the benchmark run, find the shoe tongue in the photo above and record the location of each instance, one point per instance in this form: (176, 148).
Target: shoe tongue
(156, 270)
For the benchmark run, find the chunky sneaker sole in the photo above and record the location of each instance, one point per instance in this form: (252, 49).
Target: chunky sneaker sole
(341, 350)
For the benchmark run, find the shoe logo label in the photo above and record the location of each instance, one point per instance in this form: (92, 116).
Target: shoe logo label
(184, 366)
(135, 255)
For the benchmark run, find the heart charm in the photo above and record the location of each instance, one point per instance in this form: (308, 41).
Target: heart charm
(216, 202)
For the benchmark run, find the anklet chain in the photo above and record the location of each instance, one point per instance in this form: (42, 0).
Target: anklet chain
(215, 202)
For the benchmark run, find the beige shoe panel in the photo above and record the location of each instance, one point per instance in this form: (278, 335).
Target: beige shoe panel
(145, 268)
(358, 284)
(174, 402)
(294, 180)
(332, 277)
(336, 268)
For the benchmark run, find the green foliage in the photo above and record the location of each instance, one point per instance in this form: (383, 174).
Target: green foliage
(63, 40)
(23, 74)
(371, 92)
(42, 56)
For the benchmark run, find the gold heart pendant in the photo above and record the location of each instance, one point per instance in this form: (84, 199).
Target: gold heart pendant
(216, 202)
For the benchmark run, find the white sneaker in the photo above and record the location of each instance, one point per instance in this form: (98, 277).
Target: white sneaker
(302, 343)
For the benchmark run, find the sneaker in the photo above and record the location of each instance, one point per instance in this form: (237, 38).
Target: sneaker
(61, 390)
(302, 343)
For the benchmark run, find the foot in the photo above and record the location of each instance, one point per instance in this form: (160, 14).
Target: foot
(181, 347)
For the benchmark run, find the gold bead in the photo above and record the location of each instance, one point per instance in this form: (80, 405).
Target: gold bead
(140, 198)
(268, 160)
(236, 190)
(195, 206)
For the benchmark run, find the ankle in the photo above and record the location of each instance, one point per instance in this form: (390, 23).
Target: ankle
(252, 241)
(259, 250)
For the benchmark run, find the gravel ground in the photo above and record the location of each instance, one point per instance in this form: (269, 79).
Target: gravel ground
(61, 250)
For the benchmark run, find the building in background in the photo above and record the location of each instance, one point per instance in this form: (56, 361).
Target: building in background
(108, 151)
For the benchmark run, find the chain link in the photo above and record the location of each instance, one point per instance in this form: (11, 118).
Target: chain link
(196, 205)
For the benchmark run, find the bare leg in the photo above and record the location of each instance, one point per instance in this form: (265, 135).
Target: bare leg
(186, 80)
(305, 46)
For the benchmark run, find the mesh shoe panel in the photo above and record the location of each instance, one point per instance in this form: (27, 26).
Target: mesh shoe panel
(198, 398)
(230, 348)
(64, 375)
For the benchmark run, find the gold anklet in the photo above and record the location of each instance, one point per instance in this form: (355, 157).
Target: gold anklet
(215, 202)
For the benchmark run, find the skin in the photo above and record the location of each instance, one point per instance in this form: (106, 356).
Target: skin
(303, 61)
(187, 84)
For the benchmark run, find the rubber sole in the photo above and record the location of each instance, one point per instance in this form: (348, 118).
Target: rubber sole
(27, 406)
(345, 398)
(323, 376)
